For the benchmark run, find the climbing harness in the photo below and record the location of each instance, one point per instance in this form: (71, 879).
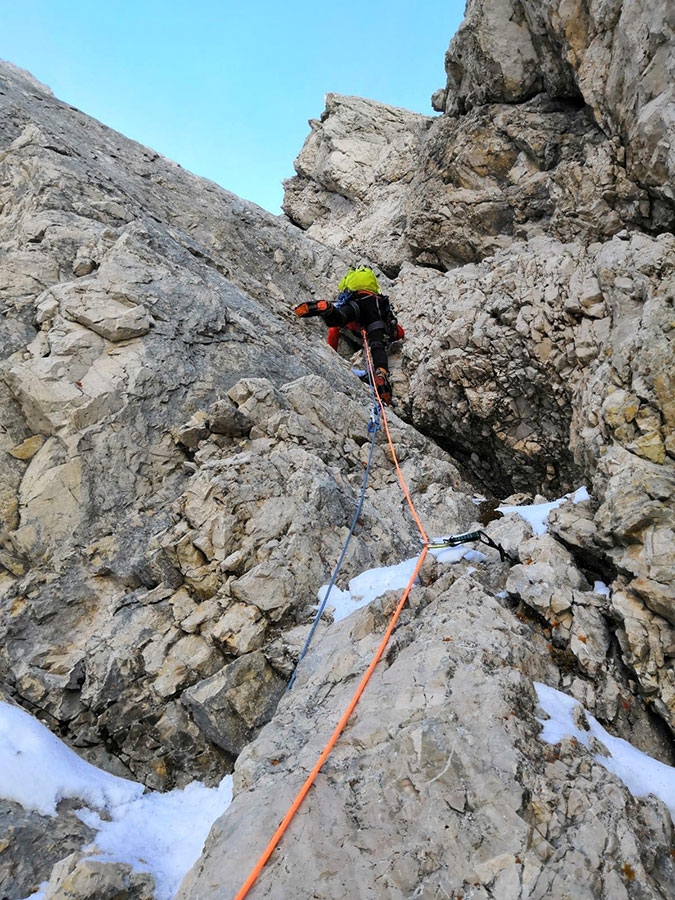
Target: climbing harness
(454, 540)
(378, 416)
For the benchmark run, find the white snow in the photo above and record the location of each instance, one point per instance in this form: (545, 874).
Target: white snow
(537, 513)
(641, 774)
(161, 833)
(366, 587)
(454, 554)
(25, 744)
(158, 833)
(372, 583)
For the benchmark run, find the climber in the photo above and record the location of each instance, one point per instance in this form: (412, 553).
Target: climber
(360, 305)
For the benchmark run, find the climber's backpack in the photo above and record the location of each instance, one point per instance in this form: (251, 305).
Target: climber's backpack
(361, 279)
(364, 279)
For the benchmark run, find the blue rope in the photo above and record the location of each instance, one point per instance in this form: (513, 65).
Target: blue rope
(373, 428)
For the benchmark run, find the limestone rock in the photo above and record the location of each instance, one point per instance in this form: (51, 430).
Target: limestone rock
(358, 151)
(544, 366)
(549, 582)
(617, 57)
(549, 363)
(648, 644)
(135, 296)
(28, 448)
(659, 597)
(498, 55)
(230, 707)
(636, 520)
(240, 630)
(170, 477)
(77, 878)
(115, 318)
(31, 844)
(226, 418)
(468, 186)
(178, 473)
(448, 778)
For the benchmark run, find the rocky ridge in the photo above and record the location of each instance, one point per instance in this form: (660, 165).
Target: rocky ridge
(178, 474)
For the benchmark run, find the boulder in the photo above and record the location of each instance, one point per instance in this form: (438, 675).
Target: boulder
(232, 706)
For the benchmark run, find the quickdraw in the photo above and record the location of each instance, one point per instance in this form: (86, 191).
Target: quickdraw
(454, 540)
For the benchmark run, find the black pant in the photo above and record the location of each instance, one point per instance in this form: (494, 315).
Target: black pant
(365, 310)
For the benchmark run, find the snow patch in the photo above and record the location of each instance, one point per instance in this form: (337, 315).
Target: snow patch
(641, 774)
(537, 513)
(38, 769)
(158, 833)
(366, 587)
(372, 583)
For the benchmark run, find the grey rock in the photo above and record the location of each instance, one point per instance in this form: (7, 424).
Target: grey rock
(466, 187)
(182, 458)
(358, 154)
(232, 706)
(31, 844)
(458, 782)
(502, 53)
(225, 418)
(618, 58)
(78, 878)
(127, 310)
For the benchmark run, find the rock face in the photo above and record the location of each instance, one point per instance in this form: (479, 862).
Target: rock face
(181, 459)
(541, 354)
(353, 178)
(476, 183)
(456, 784)
(179, 467)
(617, 57)
(31, 844)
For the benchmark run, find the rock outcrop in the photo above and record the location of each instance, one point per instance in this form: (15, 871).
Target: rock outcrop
(180, 464)
(617, 58)
(541, 355)
(181, 459)
(32, 844)
(474, 185)
(455, 783)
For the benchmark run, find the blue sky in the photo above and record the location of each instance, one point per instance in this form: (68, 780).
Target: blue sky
(226, 88)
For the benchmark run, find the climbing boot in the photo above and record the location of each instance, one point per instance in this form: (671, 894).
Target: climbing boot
(312, 308)
(383, 386)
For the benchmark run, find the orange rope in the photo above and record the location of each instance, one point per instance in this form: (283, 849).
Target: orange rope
(401, 479)
(278, 834)
(339, 728)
